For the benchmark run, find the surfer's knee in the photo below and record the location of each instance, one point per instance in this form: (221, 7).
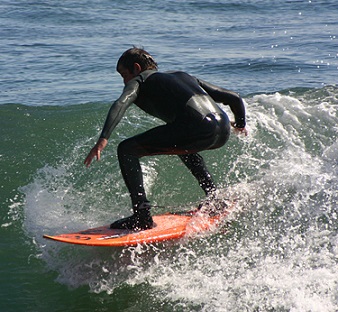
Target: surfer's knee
(130, 147)
(124, 148)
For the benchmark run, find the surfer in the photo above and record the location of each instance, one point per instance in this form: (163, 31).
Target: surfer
(193, 123)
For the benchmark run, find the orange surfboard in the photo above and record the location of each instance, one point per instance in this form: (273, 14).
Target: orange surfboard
(167, 226)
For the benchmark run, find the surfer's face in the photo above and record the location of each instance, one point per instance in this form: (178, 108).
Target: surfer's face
(126, 74)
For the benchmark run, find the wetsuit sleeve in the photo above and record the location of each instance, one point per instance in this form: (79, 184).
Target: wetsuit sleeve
(119, 107)
(226, 97)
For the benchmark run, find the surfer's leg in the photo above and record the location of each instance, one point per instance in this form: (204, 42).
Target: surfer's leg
(159, 140)
(132, 172)
(196, 165)
(182, 138)
(132, 175)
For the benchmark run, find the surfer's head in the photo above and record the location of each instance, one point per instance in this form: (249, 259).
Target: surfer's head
(134, 61)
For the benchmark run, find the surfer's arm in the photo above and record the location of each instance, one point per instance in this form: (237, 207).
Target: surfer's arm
(96, 151)
(119, 107)
(114, 116)
(230, 98)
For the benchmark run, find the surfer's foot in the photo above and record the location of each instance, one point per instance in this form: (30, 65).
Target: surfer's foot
(140, 220)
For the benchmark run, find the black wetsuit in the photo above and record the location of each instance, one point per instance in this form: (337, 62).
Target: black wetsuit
(194, 122)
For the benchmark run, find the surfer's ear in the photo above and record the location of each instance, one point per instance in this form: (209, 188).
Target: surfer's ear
(137, 69)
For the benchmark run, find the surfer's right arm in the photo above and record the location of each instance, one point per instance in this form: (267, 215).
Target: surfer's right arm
(114, 116)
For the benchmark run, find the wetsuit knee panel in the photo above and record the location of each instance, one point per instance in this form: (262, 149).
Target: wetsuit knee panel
(130, 147)
(126, 147)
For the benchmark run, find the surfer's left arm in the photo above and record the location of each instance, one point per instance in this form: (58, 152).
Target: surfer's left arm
(114, 116)
(230, 98)
(119, 107)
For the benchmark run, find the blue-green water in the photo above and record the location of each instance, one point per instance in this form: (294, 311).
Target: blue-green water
(57, 82)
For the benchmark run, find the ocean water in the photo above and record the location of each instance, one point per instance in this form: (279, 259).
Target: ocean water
(279, 251)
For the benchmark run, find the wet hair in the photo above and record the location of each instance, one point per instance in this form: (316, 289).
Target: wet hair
(136, 55)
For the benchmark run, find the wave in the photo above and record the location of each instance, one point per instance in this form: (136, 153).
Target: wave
(279, 253)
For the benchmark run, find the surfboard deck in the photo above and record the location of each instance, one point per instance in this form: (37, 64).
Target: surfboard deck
(168, 226)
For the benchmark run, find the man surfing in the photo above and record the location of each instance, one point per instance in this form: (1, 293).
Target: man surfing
(193, 123)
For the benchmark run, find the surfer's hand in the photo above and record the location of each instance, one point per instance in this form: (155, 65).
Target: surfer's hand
(239, 130)
(96, 151)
